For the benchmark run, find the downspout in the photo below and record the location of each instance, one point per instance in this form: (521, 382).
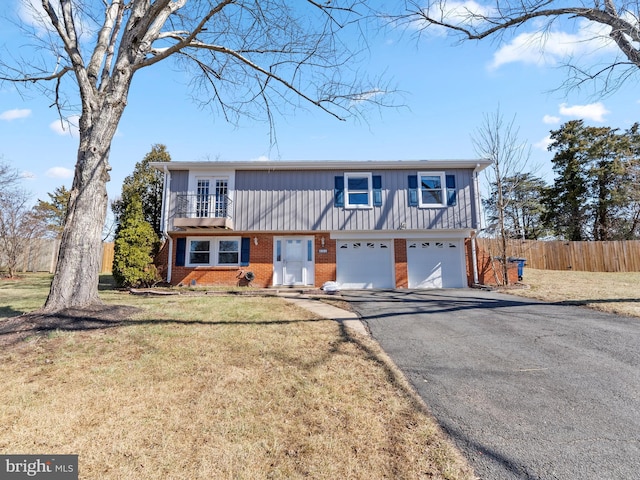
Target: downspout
(165, 220)
(474, 254)
(474, 258)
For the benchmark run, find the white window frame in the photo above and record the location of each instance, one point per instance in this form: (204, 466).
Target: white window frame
(443, 190)
(369, 191)
(228, 175)
(214, 250)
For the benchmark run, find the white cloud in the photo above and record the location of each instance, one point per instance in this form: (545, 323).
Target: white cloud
(550, 120)
(15, 114)
(28, 175)
(544, 143)
(551, 47)
(365, 96)
(59, 172)
(32, 13)
(261, 158)
(593, 111)
(544, 44)
(66, 126)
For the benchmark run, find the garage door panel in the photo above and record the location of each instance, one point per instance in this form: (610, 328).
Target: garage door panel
(365, 264)
(435, 264)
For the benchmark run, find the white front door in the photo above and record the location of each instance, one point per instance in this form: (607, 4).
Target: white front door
(293, 261)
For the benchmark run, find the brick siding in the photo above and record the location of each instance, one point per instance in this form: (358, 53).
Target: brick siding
(489, 272)
(261, 264)
(402, 271)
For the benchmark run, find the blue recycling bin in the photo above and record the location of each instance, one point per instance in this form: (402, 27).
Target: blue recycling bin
(520, 262)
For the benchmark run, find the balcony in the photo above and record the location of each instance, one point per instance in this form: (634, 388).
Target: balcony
(203, 212)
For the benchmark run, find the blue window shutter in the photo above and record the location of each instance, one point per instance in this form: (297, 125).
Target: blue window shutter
(245, 249)
(451, 189)
(181, 250)
(413, 190)
(376, 180)
(338, 191)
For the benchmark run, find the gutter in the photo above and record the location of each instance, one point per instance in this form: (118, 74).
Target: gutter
(275, 165)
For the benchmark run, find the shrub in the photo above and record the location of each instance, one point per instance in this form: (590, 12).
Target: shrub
(134, 247)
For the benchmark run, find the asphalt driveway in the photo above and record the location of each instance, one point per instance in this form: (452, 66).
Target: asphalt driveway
(527, 390)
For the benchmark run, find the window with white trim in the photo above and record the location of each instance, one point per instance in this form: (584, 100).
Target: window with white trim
(213, 251)
(358, 190)
(432, 189)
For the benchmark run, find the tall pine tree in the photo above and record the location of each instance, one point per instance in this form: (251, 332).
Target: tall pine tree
(566, 200)
(595, 191)
(146, 183)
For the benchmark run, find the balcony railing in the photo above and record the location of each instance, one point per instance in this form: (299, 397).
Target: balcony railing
(202, 211)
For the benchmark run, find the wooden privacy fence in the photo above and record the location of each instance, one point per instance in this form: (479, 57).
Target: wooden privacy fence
(622, 256)
(107, 257)
(41, 255)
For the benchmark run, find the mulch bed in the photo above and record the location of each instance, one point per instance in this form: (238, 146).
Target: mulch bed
(15, 329)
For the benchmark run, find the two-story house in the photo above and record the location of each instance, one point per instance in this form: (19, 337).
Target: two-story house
(362, 224)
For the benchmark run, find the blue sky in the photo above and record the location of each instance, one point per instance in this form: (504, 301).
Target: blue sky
(448, 89)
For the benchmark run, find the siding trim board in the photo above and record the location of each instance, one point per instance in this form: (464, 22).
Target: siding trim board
(429, 234)
(270, 166)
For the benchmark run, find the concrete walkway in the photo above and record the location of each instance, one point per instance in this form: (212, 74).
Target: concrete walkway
(349, 319)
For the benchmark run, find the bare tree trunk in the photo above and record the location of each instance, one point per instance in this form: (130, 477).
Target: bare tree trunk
(503, 232)
(75, 282)
(76, 277)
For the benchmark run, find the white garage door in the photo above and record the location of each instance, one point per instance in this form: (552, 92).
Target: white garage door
(365, 264)
(436, 264)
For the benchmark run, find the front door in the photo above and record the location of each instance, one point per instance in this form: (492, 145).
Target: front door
(293, 261)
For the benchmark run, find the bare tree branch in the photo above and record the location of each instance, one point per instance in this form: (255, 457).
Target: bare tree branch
(28, 78)
(250, 57)
(491, 20)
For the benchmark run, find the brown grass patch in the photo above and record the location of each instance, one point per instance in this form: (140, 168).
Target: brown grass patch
(609, 292)
(221, 387)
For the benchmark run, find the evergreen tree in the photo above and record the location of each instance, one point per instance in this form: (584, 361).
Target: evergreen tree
(566, 200)
(606, 168)
(595, 194)
(625, 223)
(523, 209)
(145, 183)
(135, 246)
(53, 213)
